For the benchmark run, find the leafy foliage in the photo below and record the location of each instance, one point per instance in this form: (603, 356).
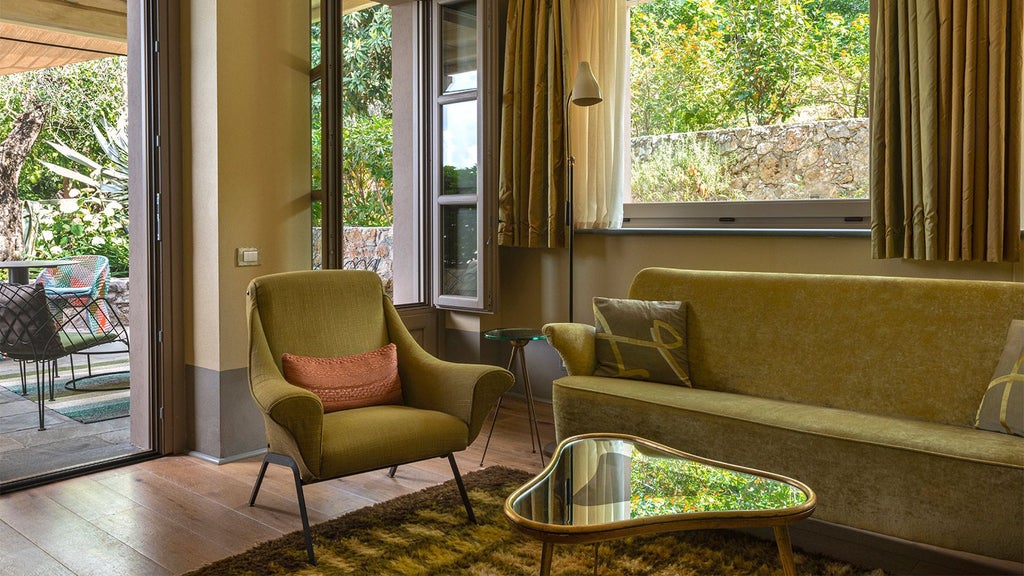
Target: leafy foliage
(687, 171)
(768, 44)
(669, 486)
(700, 64)
(76, 95)
(673, 45)
(109, 178)
(366, 58)
(84, 223)
(367, 172)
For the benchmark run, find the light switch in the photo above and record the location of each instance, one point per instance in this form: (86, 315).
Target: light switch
(248, 256)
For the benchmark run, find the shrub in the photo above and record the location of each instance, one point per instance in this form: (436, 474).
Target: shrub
(83, 223)
(686, 170)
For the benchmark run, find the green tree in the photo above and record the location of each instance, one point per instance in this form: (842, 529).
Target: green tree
(841, 61)
(367, 172)
(768, 44)
(366, 57)
(703, 64)
(75, 97)
(675, 79)
(55, 104)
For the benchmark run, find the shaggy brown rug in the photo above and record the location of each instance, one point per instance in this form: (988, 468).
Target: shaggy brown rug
(426, 533)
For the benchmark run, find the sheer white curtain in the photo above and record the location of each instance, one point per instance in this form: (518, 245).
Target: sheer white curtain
(600, 134)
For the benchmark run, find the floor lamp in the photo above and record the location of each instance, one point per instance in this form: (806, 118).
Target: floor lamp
(585, 92)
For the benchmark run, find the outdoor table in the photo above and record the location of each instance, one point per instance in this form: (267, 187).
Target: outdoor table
(17, 270)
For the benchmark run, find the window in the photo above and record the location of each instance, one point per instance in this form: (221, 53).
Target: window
(737, 104)
(404, 134)
(366, 141)
(462, 179)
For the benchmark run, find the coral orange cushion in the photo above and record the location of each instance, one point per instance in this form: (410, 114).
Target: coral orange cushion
(345, 382)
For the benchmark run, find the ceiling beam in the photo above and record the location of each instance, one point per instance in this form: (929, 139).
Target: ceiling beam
(105, 19)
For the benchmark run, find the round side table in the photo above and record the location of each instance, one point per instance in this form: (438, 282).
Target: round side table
(518, 338)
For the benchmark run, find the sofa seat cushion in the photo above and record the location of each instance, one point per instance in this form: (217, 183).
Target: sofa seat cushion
(926, 437)
(378, 436)
(884, 474)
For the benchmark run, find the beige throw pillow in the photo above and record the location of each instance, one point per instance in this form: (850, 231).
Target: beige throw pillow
(642, 340)
(1002, 407)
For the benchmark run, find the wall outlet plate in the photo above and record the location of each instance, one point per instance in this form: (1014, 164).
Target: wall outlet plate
(247, 256)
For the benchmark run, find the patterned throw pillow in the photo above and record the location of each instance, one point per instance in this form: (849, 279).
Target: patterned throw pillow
(642, 340)
(367, 379)
(1002, 407)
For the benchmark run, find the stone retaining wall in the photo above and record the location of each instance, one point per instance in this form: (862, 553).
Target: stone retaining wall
(117, 294)
(365, 248)
(827, 159)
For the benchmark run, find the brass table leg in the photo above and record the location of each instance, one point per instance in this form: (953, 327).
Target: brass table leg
(785, 550)
(545, 558)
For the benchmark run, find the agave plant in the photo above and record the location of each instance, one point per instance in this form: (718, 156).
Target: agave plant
(109, 178)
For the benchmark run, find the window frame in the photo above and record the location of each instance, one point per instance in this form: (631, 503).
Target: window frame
(819, 214)
(330, 72)
(783, 214)
(489, 40)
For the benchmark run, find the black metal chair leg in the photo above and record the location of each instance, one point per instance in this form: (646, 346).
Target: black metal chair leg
(41, 396)
(392, 470)
(289, 462)
(53, 376)
(462, 489)
(259, 482)
(24, 377)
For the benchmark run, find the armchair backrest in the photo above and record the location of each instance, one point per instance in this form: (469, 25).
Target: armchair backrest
(324, 313)
(89, 271)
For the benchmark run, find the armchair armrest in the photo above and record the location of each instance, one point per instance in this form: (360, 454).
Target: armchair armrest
(294, 415)
(575, 344)
(466, 391)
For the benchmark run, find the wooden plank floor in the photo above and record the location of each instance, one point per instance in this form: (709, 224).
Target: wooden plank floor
(177, 513)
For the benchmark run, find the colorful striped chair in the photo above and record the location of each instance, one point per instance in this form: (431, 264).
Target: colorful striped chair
(83, 282)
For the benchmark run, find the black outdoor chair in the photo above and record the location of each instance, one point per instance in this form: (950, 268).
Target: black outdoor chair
(41, 328)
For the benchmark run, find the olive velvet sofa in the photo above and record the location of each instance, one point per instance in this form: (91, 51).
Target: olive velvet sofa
(864, 388)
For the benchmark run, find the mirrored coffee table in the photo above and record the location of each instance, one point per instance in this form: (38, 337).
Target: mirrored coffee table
(604, 486)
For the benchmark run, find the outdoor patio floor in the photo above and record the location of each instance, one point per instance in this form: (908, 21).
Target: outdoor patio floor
(26, 451)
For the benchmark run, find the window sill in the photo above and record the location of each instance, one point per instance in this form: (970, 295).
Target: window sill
(763, 232)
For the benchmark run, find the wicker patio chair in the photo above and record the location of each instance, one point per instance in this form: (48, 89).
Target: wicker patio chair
(41, 328)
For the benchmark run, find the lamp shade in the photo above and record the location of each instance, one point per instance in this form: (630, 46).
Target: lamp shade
(586, 91)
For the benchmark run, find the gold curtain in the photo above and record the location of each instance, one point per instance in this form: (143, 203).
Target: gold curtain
(531, 187)
(946, 129)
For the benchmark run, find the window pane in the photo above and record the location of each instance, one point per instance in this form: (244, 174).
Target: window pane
(746, 100)
(458, 148)
(367, 175)
(314, 34)
(458, 38)
(318, 240)
(458, 251)
(316, 154)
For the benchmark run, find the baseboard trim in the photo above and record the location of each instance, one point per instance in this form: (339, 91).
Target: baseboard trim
(229, 459)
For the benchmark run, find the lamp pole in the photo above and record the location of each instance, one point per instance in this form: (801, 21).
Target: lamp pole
(585, 92)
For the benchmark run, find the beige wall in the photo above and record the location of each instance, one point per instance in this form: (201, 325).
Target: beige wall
(247, 164)
(533, 282)
(246, 170)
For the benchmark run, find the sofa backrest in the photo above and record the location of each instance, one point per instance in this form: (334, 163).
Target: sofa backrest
(917, 348)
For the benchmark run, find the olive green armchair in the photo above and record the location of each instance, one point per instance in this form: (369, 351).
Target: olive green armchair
(334, 313)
